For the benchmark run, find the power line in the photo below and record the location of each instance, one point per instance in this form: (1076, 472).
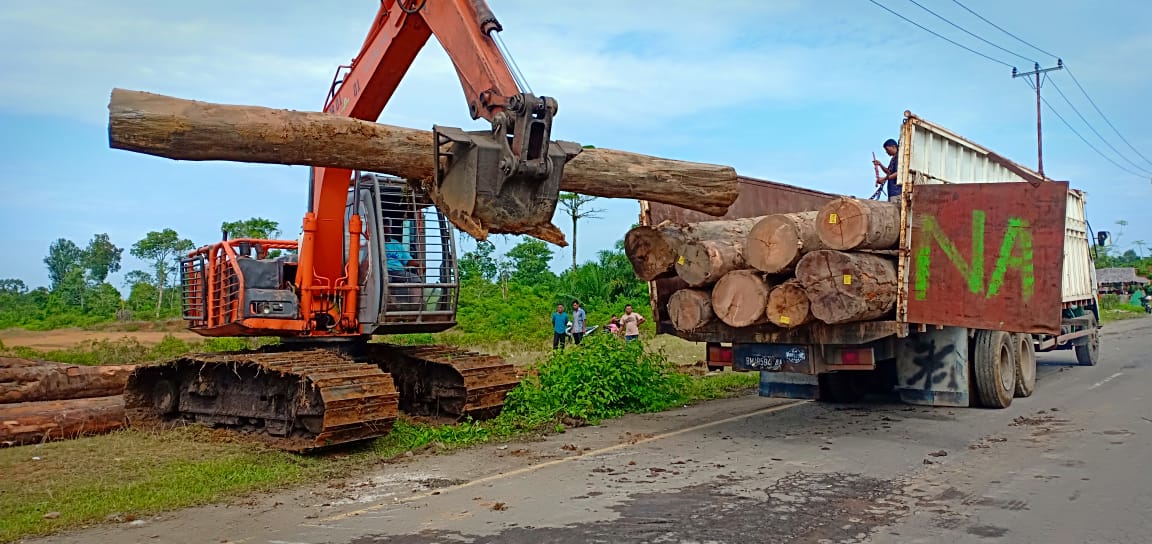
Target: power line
(1085, 140)
(925, 29)
(968, 32)
(1098, 135)
(997, 27)
(1097, 108)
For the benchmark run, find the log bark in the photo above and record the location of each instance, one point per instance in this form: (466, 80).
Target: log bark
(35, 422)
(776, 243)
(690, 309)
(653, 251)
(711, 249)
(788, 305)
(849, 223)
(16, 362)
(59, 382)
(740, 298)
(845, 287)
(181, 129)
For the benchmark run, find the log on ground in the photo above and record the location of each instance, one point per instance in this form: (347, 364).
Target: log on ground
(690, 309)
(788, 305)
(741, 297)
(776, 243)
(845, 287)
(654, 250)
(35, 422)
(850, 223)
(182, 129)
(51, 381)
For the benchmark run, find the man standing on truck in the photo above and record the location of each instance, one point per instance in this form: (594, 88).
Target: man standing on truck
(889, 177)
(631, 322)
(559, 327)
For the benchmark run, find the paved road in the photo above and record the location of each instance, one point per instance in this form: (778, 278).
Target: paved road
(1068, 465)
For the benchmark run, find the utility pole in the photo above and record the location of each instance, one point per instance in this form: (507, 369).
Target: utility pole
(1037, 71)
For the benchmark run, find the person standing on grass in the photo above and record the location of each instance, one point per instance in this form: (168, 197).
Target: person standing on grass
(579, 318)
(631, 322)
(559, 327)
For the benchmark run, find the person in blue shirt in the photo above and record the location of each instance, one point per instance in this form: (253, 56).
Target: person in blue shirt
(889, 177)
(399, 262)
(559, 327)
(579, 326)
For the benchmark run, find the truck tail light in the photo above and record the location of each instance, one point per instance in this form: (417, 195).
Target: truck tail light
(852, 357)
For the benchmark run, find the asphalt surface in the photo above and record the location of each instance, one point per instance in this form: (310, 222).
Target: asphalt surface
(1069, 464)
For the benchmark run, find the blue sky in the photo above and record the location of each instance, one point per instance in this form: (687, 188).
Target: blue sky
(792, 91)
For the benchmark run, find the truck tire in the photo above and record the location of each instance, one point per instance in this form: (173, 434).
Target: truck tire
(1088, 353)
(1025, 365)
(994, 367)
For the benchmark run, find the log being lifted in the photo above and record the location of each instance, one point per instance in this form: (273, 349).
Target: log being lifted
(53, 381)
(741, 297)
(776, 243)
(850, 223)
(690, 309)
(788, 305)
(711, 249)
(845, 287)
(35, 422)
(653, 251)
(199, 131)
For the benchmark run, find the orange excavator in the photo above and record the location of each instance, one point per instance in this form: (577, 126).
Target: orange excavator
(377, 256)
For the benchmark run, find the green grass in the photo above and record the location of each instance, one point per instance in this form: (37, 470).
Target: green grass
(131, 474)
(128, 350)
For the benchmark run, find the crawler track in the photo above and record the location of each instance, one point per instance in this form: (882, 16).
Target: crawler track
(447, 381)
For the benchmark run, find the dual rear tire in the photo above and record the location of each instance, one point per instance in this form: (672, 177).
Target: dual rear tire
(1003, 367)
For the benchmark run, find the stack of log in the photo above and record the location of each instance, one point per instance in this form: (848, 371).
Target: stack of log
(786, 270)
(41, 400)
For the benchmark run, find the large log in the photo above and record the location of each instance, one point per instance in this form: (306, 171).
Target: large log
(711, 249)
(850, 223)
(844, 287)
(35, 422)
(788, 305)
(690, 309)
(776, 243)
(741, 297)
(653, 250)
(49, 381)
(200, 131)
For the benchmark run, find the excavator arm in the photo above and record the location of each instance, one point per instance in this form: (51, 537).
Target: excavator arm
(502, 180)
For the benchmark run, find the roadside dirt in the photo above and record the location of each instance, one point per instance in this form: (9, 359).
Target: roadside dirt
(67, 338)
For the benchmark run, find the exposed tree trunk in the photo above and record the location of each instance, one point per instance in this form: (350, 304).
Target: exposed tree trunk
(776, 243)
(34, 422)
(189, 130)
(7, 363)
(850, 223)
(574, 219)
(740, 298)
(844, 287)
(59, 382)
(654, 251)
(788, 305)
(690, 309)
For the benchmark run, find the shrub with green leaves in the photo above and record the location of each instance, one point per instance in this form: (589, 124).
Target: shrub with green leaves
(601, 378)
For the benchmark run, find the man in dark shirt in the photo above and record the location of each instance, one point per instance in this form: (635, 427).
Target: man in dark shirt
(889, 176)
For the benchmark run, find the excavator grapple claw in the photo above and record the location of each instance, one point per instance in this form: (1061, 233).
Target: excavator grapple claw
(483, 186)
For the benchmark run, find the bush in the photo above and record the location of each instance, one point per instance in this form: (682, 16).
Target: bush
(602, 378)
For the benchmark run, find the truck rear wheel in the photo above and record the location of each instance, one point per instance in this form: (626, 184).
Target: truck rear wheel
(1025, 365)
(994, 367)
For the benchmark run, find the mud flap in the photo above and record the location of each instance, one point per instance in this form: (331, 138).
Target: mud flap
(932, 367)
(789, 385)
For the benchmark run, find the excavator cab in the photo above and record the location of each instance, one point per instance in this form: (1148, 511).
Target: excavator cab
(506, 180)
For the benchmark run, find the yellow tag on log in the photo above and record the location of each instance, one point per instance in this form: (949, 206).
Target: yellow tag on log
(680, 260)
(847, 279)
(833, 219)
(785, 319)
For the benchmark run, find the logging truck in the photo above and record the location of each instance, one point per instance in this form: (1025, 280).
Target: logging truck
(942, 295)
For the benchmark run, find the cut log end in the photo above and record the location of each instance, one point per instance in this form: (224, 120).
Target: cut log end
(690, 309)
(705, 262)
(788, 305)
(777, 241)
(652, 252)
(740, 298)
(849, 223)
(846, 287)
